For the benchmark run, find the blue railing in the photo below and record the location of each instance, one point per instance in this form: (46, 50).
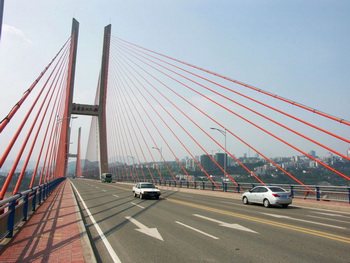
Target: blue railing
(315, 192)
(19, 207)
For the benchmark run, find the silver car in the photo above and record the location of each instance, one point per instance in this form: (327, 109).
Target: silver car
(267, 195)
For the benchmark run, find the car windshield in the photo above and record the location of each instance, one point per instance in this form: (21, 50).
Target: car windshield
(276, 189)
(147, 186)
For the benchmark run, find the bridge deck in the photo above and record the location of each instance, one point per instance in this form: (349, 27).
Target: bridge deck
(53, 233)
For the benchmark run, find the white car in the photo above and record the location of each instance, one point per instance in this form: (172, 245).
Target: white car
(144, 190)
(267, 195)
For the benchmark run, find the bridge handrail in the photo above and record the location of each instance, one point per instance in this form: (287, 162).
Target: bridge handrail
(17, 208)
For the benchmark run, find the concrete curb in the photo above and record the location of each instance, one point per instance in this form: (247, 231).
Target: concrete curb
(89, 255)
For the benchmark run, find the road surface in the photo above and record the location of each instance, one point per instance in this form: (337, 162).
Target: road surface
(187, 227)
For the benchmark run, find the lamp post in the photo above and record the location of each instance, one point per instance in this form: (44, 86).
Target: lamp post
(133, 161)
(160, 152)
(223, 132)
(161, 157)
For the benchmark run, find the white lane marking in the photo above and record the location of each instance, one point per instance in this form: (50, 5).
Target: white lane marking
(197, 230)
(329, 214)
(302, 220)
(152, 232)
(96, 187)
(116, 196)
(322, 209)
(138, 205)
(331, 219)
(224, 224)
(109, 248)
(104, 190)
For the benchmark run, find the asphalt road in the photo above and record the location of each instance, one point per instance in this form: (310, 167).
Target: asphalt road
(186, 227)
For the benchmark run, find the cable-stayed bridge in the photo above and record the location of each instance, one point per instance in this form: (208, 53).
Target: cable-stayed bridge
(156, 118)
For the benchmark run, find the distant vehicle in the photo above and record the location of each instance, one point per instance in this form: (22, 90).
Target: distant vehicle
(106, 178)
(144, 190)
(267, 195)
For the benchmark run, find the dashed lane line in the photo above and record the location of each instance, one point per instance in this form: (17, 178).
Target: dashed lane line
(197, 230)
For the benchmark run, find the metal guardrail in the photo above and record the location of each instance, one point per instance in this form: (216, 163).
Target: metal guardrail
(311, 192)
(18, 208)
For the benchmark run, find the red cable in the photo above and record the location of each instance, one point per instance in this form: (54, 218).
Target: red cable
(343, 121)
(13, 111)
(182, 129)
(257, 126)
(24, 167)
(249, 109)
(155, 126)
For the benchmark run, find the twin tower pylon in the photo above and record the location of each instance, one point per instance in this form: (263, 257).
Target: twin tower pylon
(85, 109)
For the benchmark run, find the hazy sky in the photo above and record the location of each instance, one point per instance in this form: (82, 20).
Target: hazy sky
(296, 49)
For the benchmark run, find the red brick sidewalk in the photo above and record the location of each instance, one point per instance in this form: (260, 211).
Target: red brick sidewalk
(52, 234)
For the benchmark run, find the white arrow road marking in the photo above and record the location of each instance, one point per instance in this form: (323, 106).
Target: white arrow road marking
(138, 205)
(197, 230)
(153, 232)
(116, 195)
(224, 224)
(302, 220)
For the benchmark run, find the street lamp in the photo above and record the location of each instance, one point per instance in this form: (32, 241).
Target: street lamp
(223, 132)
(160, 152)
(133, 162)
(161, 157)
(65, 118)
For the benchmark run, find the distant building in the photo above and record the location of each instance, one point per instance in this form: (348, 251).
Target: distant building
(261, 170)
(206, 162)
(220, 159)
(313, 153)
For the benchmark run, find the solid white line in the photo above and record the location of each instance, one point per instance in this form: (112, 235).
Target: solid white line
(330, 219)
(110, 250)
(330, 214)
(138, 205)
(322, 209)
(197, 230)
(303, 220)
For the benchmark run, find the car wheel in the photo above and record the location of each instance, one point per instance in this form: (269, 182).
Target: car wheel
(266, 203)
(285, 205)
(157, 197)
(245, 200)
(141, 196)
(135, 195)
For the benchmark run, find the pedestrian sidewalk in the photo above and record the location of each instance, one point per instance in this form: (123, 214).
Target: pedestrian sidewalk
(55, 233)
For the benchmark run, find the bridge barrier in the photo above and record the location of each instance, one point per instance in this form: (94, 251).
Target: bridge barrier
(311, 192)
(19, 207)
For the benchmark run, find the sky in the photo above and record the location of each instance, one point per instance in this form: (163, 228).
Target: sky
(295, 49)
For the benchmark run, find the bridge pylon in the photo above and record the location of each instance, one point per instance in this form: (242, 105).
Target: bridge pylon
(100, 109)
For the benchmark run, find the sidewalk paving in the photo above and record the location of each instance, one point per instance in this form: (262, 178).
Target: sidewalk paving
(53, 234)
